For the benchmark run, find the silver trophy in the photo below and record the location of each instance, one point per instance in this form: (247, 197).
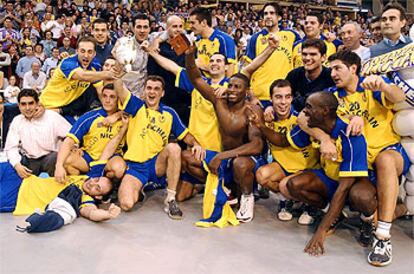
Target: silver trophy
(126, 54)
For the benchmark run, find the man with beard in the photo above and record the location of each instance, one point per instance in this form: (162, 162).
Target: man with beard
(279, 63)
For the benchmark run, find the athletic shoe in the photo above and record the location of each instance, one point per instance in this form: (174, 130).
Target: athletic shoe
(308, 215)
(173, 211)
(246, 211)
(285, 210)
(366, 233)
(336, 223)
(381, 252)
(142, 196)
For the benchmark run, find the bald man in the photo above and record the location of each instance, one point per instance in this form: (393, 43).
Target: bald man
(351, 36)
(174, 97)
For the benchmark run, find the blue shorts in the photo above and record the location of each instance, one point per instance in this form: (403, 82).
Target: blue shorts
(9, 187)
(88, 159)
(330, 184)
(227, 167)
(372, 174)
(145, 172)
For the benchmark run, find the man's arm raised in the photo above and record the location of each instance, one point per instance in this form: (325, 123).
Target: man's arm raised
(262, 58)
(166, 63)
(195, 77)
(92, 76)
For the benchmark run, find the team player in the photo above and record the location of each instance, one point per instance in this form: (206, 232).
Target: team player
(23, 197)
(73, 76)
(149, 156)
(372, 99)
(240, 140)
(279, 63)
(91, 133)
(210, 41)
(313, 28)
(286, 160)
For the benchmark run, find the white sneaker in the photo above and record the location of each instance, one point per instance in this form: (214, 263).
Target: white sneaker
(305, 219)
(246, 211)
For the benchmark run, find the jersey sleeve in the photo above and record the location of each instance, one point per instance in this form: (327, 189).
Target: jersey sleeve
(86, 200)
(132, 105)
(69, 67)
(355, 156)
(228, 48)
(178, 128)
(380, 96)
(298, 138)
(82, 127)
(251, 48)
(97, 169)
(183, 82)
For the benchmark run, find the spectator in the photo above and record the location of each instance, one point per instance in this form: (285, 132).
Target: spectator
(25, 63)
(101, 34)
(57, 27)
(34, 79)
(38, 51)
(5, 60)
(48, 44)
(8, 35)
(51, 62)
(67, 32)
(7, 113)
(351, 36)
(10, 14)
(66, 47)
(11, 91)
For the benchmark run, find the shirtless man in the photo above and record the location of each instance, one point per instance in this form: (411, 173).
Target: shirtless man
(240, 140)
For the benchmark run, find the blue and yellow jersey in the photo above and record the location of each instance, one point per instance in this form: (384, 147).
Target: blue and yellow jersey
(92, 136)
(377, 113)
(37, 193)
(291, 159)
(149, 130)
(352, 151)
(276, 67)
(218, 42)
(61, 89)
(203, 124)
(297, 51)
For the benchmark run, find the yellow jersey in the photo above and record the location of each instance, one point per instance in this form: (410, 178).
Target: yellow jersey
(61, 89)
(297, 51)
(149, 130)
(203, 124)
(377, 113)
(292, 159)
(276, 67)
(92, 136)
(352, 151)
(218, 42)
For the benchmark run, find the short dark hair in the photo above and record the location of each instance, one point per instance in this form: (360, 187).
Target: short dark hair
(329, 100)
(319, 16)
(28, 92)
(109, 86)
(375, 19)
(271, 4)
(396, 6)
(88, 38)
(242, 77)
(140, 16)
(315, 43)
(347, 57)
(99, 21)
(155, 78)
(279, 83)
(225, 57)
(202, 14)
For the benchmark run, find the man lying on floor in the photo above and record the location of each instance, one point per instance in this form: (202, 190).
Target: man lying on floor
(62, 202)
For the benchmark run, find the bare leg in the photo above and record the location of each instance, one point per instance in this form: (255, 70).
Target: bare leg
(169, 163)
(75, 164)
(243, 173)
(128, 192)
(362, 197)
(115, 168)
(270, 175)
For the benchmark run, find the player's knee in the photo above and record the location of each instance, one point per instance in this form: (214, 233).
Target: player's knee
(261, 176)
(174, 150)
(362, 200)
(118, 168)
(385, 161)
(242, 165)
(292, 187)
(186, 157)
(126, 204)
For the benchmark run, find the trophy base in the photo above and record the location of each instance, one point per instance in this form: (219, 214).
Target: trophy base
(130, 76)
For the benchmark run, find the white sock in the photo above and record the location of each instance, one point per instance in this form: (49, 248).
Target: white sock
(170, 195)
(383, 230)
